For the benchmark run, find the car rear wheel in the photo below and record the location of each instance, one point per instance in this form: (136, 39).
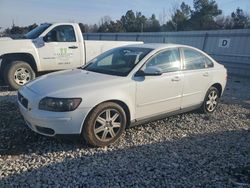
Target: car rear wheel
(18, 73)
(104, 125)
(211, 100)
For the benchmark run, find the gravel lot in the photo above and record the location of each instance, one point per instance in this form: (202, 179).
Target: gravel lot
(188, 150)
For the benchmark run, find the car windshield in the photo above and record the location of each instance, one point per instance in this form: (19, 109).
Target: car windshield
(33, 34)
(118, 61)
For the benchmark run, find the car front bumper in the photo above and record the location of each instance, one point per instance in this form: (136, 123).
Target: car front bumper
(51, 123)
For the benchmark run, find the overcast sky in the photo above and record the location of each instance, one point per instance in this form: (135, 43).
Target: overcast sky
(26, 12)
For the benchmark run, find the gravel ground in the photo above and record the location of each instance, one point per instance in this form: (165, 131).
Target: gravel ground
(188, 150)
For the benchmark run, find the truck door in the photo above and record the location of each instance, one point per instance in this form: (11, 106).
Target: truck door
(60, 50)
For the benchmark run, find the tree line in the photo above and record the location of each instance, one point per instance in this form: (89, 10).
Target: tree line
(205, 15)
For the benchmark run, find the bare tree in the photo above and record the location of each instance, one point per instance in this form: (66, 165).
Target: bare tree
(105, 20)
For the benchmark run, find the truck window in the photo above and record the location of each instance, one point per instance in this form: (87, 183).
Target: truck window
(33, 34)
(62, 33)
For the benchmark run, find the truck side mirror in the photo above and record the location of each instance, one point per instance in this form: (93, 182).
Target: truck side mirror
(39, 42)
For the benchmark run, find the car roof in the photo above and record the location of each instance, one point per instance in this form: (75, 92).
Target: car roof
(156, 46)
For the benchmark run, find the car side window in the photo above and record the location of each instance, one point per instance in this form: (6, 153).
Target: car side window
(209, 63)
(167, 61)
(193, 60)
(106, 61)
(62, 33)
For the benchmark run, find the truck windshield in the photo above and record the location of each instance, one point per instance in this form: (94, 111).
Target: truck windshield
(33, 34)
(118, 61)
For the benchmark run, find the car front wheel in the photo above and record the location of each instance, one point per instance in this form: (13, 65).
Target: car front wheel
(211, 100)
(104, 125)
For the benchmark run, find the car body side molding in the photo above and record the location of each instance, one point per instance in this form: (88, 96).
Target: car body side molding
(163, 115)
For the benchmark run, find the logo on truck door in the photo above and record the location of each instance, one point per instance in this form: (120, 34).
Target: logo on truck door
(63, 56)
(63, 51)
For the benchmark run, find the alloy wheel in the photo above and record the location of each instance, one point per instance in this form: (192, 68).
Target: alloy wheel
(107, 125)
(212, 101)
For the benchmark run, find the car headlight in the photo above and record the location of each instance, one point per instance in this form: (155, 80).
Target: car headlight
(59, 104)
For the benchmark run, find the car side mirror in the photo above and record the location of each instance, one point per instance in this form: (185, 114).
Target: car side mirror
(150, 71)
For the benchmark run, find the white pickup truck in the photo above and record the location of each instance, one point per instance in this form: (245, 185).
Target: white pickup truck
(49, 47)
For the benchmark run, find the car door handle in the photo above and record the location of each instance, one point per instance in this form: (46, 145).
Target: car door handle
(73, 47)
(176, 79)
(205, 74)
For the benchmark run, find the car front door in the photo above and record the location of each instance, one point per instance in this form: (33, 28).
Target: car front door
(60, 50)
(160, 94)
(196, 77)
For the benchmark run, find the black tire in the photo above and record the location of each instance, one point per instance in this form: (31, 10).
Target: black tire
(1, 74)
(209, 105)
(92, 129)
(18, 68)
(3, 65)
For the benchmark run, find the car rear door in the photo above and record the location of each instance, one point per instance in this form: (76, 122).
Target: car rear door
(160, 94)
(196, 77)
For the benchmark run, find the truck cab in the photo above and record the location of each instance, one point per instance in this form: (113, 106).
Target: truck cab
(49, 47)
(61, 46)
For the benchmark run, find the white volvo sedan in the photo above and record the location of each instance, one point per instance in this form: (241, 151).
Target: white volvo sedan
(122, 87)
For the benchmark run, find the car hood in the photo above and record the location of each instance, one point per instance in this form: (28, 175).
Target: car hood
(62, 83)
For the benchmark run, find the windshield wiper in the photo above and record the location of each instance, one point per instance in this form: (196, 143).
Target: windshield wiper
(80, 68)
(85, 66)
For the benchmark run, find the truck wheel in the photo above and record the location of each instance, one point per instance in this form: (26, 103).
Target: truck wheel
(2, 70)
(104, 125)
(18, 73)
(1, 74)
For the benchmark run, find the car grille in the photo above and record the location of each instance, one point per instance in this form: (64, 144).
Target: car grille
(22, 100)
